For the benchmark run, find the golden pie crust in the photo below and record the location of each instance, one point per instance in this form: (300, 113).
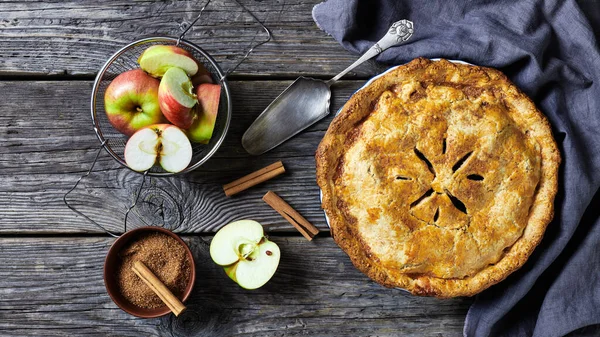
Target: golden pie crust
(438, 178)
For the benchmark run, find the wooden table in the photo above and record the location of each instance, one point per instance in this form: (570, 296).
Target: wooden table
(51, 260)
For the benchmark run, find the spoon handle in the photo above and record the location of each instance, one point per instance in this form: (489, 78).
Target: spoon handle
(398, 33)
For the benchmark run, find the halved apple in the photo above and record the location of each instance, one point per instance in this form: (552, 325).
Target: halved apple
(207, 109)
(162, 143)
(158, 59)
(176, 98)
(246, 254)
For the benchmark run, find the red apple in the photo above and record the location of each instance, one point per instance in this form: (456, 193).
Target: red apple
(176, 97)
(157, 59)
(131, 102)
(163, 143)
(207, 109)
(202, 76)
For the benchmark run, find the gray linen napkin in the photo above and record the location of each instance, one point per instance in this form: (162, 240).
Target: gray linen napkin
(548, 48)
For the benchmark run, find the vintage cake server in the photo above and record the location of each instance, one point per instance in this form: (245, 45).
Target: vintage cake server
(306, 101)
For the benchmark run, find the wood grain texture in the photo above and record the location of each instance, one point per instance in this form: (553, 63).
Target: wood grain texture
(77, 37)
(55, 288)
(47, 142)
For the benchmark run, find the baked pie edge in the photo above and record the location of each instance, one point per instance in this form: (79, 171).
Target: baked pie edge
(360, 105)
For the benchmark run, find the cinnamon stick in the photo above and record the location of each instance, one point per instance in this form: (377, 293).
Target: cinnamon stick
(254, 178)
(302, 225)
(159, 288)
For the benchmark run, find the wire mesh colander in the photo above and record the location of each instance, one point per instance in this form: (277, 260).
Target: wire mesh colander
(125, 60)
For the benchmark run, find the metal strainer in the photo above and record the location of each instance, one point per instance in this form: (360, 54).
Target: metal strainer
(126, 59)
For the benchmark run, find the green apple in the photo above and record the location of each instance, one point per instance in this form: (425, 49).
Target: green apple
(176, 98)
(131, 102)
(163, 143)
(247, 256)
(207, 109)
(157, 59)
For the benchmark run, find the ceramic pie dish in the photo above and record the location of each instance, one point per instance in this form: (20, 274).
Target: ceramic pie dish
(438, 178)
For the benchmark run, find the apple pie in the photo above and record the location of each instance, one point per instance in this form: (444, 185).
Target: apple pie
(438, 178)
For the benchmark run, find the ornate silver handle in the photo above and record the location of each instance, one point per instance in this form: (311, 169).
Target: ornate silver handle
(398, 33)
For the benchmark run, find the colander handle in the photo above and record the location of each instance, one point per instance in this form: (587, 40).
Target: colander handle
(72, 208)
(250, 50)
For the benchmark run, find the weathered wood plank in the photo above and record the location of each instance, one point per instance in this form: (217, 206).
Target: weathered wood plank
(47, 142)
(55, 288)
(77, 37)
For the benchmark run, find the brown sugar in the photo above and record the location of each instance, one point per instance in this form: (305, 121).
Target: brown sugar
(164, 256)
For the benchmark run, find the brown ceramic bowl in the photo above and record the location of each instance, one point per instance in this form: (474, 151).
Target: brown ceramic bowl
(111, 262)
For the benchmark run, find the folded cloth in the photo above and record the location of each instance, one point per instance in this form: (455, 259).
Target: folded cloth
(549, 50)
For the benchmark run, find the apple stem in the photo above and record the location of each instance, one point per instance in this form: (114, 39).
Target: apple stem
(138, 109)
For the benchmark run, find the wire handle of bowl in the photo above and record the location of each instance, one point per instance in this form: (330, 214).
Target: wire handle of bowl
(72, 208)
(250, 50)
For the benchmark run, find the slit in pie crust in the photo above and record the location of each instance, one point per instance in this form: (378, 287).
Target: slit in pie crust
(438, 178)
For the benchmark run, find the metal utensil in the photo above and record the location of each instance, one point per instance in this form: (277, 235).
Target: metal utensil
(306, 101)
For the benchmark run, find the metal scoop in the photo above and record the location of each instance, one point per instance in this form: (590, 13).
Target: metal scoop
(306, 101)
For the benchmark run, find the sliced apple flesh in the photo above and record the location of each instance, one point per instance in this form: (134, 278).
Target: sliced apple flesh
(142, 149)
(158, 59)
(164, 144)
(176, 153)
(176, 98)
(247, 256)
(258, 268)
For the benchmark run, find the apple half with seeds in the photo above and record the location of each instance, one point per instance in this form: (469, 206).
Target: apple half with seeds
(246, 254)
(177, 98)
(158, 59)
(164, 144)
